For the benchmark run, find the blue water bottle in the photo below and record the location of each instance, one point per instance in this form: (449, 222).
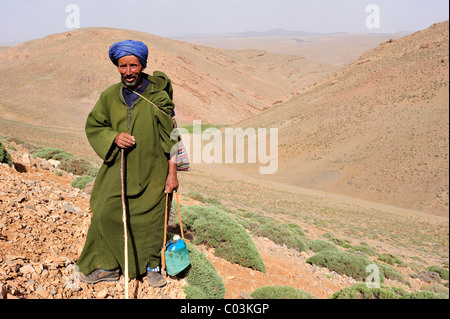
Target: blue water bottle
(177, 256)
(176, 244)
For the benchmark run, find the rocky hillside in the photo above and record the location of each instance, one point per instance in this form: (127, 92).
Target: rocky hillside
(43, 225)
(376, 129)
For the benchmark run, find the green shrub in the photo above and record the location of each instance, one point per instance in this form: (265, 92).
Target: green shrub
(436, 288)
(342, 262)
(69, 163)
(215, 228)
(390, 272)
(52, 153)
(281, 292)
(443, 273)
(280, 234)
(80, 182)
(337, 241)
(196, 196)
(367, 250)
(361, 291)
(353, 265)
(203, 279)
(290, 235)
(321, 244)
(389, 259)
(5, 157)
(296, 228)
(78, 166)
(15, 140)
(425, 295)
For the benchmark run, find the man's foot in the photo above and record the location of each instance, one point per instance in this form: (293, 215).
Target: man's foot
(155, 279)
(100, 275)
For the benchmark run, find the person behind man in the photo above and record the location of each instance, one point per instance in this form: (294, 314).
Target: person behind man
(122, 119)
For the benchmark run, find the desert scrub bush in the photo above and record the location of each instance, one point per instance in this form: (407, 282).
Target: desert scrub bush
(436, 288)
(340, 242)
(203, 279)
(364, 249)
(69, 163)
(425, 295)
(15, 140)
(52, 153)
(389, 259)
(78, 166)
(215, 228)
(296, 228)
(199, 197)
(361, 291)
(353, 265)
(280, 292)
(390, 272)
(321, 244)
(82, 181)
(196, 196)
(5, 157)
(443, 273)
(342, 262)
(290, 235)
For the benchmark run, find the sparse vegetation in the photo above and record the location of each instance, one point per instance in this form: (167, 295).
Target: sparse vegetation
(290, 234)
(394, 162)
(320, 244)
(5, 157)
(361, 291)
(443, 273)
(436, 288)
(389, 259)
(342, 262)
(69, 163)
(52, 153)
(81, 181)
(203, 279)
(215, 228)
(281, 292)
(78, 166)
(364, 249)
(390, 272)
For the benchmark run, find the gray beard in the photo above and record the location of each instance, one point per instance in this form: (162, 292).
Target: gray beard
(133, 84)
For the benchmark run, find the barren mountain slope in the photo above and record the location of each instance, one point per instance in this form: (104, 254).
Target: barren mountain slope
(338, 49)
(376, 129)
(56, 80)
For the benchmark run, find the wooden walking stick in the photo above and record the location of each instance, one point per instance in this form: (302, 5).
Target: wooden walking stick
(124, 219)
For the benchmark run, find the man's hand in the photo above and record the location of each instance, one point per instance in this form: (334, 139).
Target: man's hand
(124, 140)
(172, 180)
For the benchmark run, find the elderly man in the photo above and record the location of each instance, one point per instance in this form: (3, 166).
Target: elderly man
(122, 119)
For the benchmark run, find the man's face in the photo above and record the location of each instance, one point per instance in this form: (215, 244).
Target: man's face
(130, 69)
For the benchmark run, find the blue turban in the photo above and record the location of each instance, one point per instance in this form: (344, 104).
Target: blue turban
(129, 47)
